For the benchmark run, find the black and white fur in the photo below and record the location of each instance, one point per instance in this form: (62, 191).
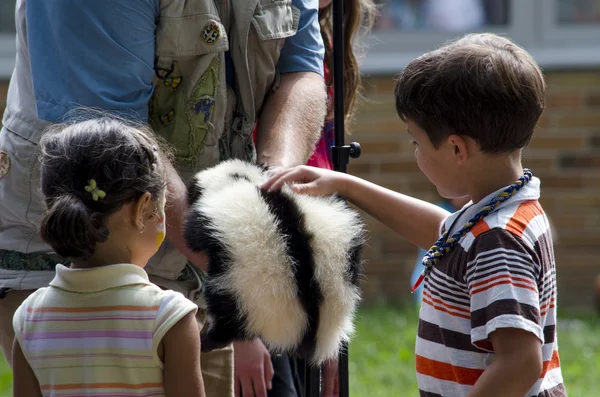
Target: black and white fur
(283, 267)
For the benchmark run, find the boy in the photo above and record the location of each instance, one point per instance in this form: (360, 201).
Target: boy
(487, 323)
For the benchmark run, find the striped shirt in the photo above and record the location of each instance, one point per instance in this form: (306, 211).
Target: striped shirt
(95, 332)
(500, 275)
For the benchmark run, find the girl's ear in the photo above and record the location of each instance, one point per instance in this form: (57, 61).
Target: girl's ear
(142, 206)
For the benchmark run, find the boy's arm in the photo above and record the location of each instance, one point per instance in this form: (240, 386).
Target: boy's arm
(508, 305)
(516, 367)
(415, 220)
(25, 384)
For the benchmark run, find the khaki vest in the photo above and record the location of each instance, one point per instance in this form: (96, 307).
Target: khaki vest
(193, 108)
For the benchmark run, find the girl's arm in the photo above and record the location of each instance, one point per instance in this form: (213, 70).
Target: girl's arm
(181, 344)
(415, 220)
(25, 384)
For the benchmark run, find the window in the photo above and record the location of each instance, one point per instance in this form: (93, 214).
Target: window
(578, 12)
(7, 37)
(441, 15)
(7, 17)
(558, 33)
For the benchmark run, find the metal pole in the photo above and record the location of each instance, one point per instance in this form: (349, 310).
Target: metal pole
(340, 152)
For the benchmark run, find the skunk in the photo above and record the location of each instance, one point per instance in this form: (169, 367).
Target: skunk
(282, 266)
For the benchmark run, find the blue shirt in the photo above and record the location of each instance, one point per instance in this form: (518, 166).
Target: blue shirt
(100, 54)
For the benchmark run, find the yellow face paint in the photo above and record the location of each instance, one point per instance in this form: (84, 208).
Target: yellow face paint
(160, 237)
(161, 227)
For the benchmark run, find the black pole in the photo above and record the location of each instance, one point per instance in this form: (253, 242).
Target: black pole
(340, 152)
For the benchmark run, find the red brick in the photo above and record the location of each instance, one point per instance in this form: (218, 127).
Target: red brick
(535, 163)
(580, 160)
(571, 197)
(593, 100)
(371, 147)
(396, 245)
(562, 182)
(595, 139)
(569, 222)
(581, 120)
(357, 167)
(564, 100)
(557, 142)
(389, 125)
(563, 81)
(544, 120)
(399, 166)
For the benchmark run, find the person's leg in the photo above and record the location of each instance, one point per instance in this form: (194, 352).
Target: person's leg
(217, 372)
(9, 303)
(284, 377)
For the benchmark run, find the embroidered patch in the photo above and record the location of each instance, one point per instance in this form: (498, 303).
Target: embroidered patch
(167, 117)
(211, 33)
(4, 163)
(204, 105)
(173, 82)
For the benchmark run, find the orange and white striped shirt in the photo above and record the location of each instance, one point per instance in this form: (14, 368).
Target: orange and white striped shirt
(500, 275)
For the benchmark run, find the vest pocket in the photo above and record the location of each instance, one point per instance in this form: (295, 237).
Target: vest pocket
(187, 105)
(276, 20)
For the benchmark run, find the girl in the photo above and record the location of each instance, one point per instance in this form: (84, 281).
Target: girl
(101, 328)
(359, 16)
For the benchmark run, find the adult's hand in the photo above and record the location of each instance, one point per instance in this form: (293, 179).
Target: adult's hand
(252, 368)
(175, 211)
(330, 379)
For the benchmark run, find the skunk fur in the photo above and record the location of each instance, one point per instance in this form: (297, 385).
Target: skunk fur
(283, 267)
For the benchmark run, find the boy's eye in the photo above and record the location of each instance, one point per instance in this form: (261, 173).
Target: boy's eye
(414, 143)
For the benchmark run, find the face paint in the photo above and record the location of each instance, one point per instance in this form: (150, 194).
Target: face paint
(161, 225)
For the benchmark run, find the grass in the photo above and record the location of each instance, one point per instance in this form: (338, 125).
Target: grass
(382, 360)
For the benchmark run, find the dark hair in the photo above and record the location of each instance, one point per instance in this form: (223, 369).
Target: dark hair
(482, 86)
(124, 161)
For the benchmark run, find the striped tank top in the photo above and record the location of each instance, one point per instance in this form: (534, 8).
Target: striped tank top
(95, 332)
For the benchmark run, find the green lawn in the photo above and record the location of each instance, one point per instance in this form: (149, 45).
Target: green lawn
(382, 363)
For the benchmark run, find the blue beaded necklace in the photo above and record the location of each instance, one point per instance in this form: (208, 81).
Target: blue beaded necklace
(445, 243)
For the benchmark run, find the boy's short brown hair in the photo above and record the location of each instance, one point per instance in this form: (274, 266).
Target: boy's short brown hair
(482, 86)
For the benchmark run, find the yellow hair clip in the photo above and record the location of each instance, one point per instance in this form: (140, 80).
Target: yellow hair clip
(93, 188)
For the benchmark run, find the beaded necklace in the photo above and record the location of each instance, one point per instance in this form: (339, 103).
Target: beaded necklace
(445, 243)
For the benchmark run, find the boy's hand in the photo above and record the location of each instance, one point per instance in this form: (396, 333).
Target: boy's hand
(308, 180)
(516, 367)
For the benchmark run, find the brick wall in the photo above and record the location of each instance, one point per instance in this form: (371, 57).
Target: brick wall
(565, 154)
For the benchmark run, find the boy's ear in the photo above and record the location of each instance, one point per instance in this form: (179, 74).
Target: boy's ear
(142, 206)
(461, 148)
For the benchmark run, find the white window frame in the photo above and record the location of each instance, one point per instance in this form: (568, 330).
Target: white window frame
(532, 24)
